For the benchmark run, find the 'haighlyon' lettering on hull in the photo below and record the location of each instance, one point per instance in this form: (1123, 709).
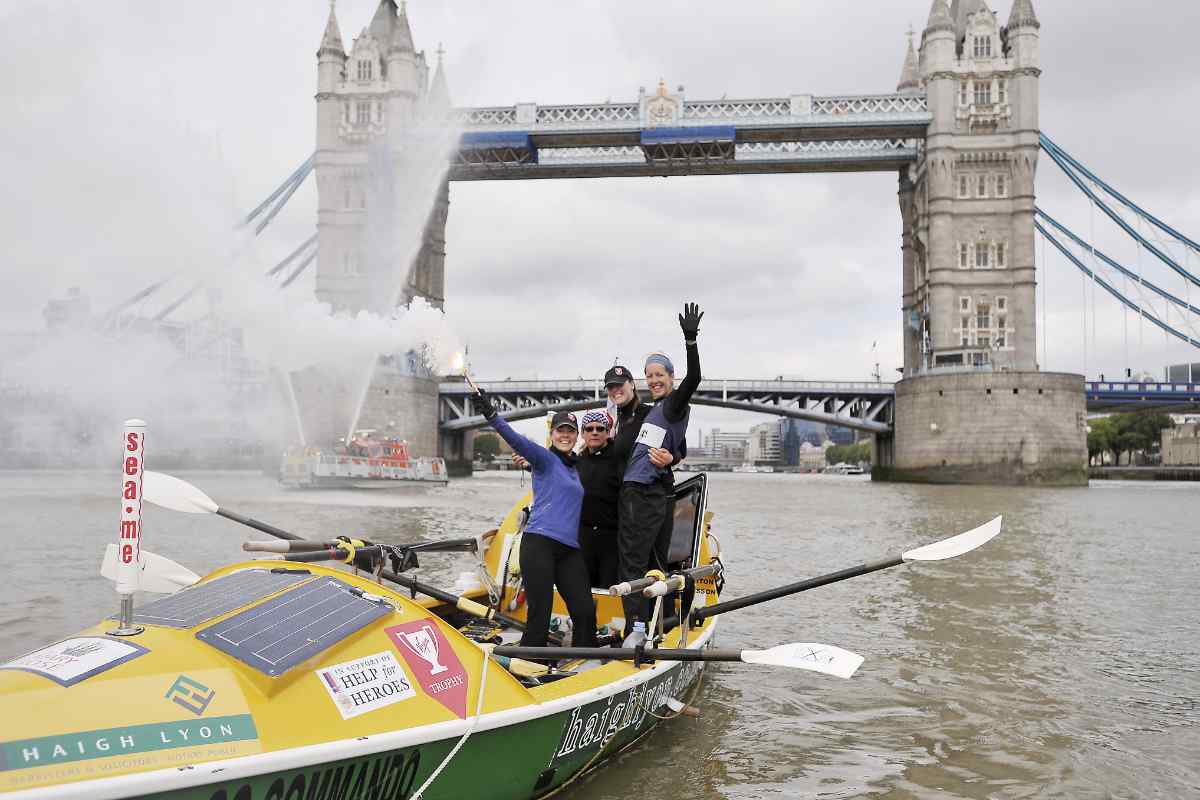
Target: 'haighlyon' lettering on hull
(47, 750)
(590, 726)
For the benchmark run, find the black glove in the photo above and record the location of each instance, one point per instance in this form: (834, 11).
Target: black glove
(689, 321)
(485, 405)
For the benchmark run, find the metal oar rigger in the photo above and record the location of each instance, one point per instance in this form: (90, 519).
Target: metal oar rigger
(178, 495)
(938, 551)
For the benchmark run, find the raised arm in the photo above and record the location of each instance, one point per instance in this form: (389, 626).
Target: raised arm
(677, 401)
(530, 450)
(534, 453)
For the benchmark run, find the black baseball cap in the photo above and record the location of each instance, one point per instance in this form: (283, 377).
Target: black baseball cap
(617, 375)
(564, 418)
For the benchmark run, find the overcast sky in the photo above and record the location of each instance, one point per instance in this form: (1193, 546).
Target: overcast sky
(113, 109)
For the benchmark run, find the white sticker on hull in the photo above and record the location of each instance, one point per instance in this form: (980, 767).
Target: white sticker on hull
(73, 660)
(366, 684)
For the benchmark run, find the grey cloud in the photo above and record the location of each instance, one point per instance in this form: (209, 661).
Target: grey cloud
(799, 273)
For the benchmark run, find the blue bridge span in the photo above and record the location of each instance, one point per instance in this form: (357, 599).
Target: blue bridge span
(859, 405)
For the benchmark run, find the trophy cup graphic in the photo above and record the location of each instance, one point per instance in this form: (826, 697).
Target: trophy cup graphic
(423, 644)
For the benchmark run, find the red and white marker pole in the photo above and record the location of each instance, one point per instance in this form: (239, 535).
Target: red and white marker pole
(129, 540)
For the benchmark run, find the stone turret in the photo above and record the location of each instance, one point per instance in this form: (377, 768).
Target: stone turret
(939, 41)
(910, 78)
(404, 73)
(381, 24)
(331, 70)
(438, 97)
(1022, 15)
(1023, 32)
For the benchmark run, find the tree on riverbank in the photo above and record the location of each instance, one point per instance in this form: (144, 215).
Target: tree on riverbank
(848, 453)
(1119, 434)
(487, 446)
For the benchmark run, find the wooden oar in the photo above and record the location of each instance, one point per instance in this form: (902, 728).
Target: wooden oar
(823, 658)
(938, 551)
(170, 492)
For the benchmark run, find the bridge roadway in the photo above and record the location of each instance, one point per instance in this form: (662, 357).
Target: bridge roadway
(666, 134)
(859, 405)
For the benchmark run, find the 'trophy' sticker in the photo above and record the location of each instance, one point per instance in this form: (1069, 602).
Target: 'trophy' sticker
(366, 684)
(434, 663)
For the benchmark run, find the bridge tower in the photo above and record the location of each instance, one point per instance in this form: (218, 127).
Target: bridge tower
(367, 99)
(969, 270)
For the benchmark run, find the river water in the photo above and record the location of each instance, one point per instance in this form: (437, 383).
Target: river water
(1060, 660)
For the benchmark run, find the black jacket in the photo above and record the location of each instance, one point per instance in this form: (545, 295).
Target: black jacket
(600, 473)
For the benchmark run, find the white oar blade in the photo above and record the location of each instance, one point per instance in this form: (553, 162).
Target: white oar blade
(956, 545)
(158, 574)
(168, 492)
(823, 658)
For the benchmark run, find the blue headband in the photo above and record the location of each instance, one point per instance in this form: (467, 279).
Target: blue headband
(662, 360)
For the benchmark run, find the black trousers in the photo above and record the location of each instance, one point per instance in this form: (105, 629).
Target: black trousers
(546, 563)
(643, 540)
(599, 546)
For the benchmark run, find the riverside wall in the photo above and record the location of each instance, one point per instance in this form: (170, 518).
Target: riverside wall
(1015, 428)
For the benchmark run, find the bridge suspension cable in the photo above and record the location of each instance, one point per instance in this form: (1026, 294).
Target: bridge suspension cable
(1128, 273)
(1049, 146)
(1088, 273)
(1065, 163)
(280, 196)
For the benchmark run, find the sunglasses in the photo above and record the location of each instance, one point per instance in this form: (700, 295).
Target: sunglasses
(570, 428)
(595, 429)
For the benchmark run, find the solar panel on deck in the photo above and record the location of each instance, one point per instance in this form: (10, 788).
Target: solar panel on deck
(278, 634)
(190, 607)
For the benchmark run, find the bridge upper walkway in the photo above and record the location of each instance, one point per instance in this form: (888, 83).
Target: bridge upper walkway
(859, 405)
(667, 134)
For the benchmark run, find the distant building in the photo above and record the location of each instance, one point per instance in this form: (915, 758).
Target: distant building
(794, 433)
(1182, 373)
(1181, 444)
(723, 447)
(766, 444)
(811, 458)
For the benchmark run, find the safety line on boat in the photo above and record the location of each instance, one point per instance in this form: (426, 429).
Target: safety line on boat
(419, 793)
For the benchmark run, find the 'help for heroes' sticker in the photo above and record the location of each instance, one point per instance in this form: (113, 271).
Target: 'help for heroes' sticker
(73, 660)
(651, 435)
(365, 684)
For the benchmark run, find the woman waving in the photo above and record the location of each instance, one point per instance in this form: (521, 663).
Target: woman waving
(550, 554)
(647, 499)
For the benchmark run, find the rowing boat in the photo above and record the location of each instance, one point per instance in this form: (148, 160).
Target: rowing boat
(279, 679)
(288, 679)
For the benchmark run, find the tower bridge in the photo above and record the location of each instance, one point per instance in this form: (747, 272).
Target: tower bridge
(960, 130)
